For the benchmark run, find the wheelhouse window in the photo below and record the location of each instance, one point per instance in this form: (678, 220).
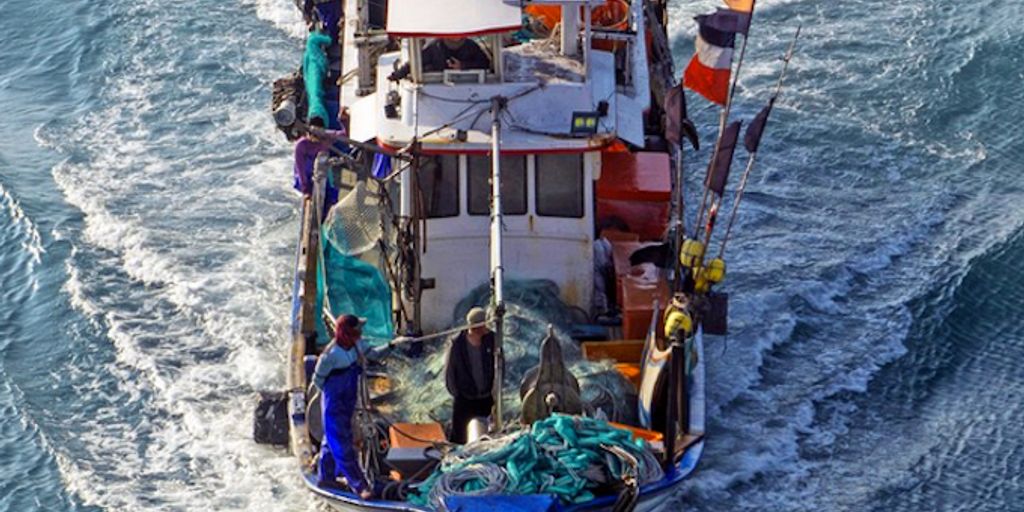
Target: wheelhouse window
(455, 60)
(513, 185)
(439, 184)
(560, 185)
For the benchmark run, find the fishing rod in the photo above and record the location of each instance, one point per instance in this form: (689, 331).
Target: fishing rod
(753, 154)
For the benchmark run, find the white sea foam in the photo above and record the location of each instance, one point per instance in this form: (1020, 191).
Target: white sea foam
(282, 13)
(31, 242)
(183, 263)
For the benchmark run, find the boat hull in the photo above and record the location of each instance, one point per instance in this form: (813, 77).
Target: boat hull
(652, 496)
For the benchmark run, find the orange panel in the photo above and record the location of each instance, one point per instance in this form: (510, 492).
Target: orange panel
(648, 435)
(649, 220)
(623, 351)
(643, 176)
(638, 294)
(402, 435)
(615, 235)
(630, 371)
(549, 15)
(621, 250)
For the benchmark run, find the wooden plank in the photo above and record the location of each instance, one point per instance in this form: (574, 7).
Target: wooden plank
(296, 363)
(307, 269)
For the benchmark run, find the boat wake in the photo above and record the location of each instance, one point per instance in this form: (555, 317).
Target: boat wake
(877, 223)
(179, 266)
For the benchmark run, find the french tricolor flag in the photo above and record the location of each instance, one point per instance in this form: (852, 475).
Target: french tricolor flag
(709, 69)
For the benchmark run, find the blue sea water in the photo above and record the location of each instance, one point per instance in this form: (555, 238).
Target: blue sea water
(146, 224)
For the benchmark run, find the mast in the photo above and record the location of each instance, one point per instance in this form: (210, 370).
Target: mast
(497, 268)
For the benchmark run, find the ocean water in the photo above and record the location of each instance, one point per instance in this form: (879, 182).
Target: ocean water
(147, 222)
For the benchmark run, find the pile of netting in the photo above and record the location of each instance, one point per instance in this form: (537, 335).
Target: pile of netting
(354, 225)
(352, 232)
(569, 457)
(419, 385)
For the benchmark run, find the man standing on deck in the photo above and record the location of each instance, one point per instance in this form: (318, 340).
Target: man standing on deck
(337, 377)
(469, 373)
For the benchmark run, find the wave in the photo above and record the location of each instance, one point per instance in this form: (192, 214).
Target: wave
(181, 266)
(282, 13)
(23, 229)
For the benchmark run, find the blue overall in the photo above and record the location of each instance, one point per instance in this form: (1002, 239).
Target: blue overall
(338, 403)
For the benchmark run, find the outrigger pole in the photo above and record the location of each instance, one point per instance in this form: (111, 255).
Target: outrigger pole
(753, 154)
(723, 120)
(497, 268)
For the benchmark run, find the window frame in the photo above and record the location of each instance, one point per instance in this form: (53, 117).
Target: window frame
(525, 198)
(458, 187)
(581, 196)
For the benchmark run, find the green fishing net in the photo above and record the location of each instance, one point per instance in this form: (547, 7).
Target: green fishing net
(314, 70)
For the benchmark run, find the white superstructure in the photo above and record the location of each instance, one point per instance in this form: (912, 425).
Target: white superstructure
(548, 170)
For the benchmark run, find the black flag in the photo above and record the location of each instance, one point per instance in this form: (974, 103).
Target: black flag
(752, 139)
(728, 20)
(677, 123)
(718, 175)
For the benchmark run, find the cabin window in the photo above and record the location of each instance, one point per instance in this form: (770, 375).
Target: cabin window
(454, 60)
(439, 184)
(560, 185)
(513, 185)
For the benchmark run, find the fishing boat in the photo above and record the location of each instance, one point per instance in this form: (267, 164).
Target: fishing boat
(550, 150)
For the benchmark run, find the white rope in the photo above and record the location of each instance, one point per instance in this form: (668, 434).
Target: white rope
(494, 478)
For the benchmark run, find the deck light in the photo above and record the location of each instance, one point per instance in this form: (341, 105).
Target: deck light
(584, 123)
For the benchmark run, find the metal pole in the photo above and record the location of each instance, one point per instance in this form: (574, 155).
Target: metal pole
(415, 219)
(721, 128)
(586, 40)
(418, 215)
(680, 197)
(750, 163)
(672, 414)
(680, 218)
(736, 204)
(321, 166)
(497, 270)
(681, 179)
(711, 166)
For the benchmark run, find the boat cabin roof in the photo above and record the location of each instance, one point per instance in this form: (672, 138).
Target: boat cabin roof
(451, 18)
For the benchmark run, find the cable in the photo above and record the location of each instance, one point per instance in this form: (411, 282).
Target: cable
(479, 479)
